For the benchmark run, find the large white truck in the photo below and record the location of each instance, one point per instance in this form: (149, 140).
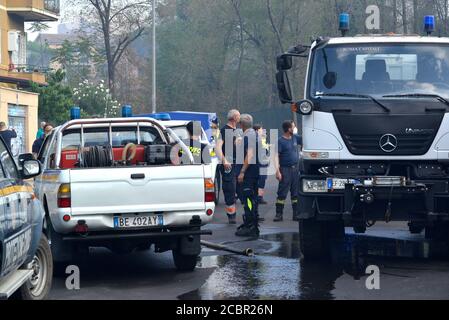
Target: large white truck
(375, 127)
(112, 183)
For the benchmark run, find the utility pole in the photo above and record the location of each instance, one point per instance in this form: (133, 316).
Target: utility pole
(153, 9)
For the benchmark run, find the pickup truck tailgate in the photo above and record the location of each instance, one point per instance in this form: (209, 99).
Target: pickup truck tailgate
(137, 189)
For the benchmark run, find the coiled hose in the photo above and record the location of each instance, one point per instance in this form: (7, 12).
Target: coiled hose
(97, 157)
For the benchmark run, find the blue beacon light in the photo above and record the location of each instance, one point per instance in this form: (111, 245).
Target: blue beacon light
(75, 113)
(429, 24)
(127, 111)
(344, 23)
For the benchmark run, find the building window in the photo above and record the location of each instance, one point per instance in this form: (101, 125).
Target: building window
(17, 120)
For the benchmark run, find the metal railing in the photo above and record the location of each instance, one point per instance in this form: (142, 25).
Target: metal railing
(27, 68)
(52, 5)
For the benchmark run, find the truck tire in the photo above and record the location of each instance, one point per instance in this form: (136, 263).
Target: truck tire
(184, 262)
(315, 237)
(438, 236)
(38, 287)
(62, 252)
(438, 232)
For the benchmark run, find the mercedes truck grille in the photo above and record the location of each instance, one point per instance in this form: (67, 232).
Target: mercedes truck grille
(399, 144)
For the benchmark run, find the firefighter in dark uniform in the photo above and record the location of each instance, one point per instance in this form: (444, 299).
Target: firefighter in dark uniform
(287, 169)
(248, 179)
(200, 151)
(226, 153)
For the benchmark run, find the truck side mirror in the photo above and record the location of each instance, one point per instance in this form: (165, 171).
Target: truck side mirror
(284, 62)
(283, 84)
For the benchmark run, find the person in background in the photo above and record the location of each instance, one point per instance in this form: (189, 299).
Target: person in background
(226, 144)
(264, 163)
(248, 178)
(200, 151)
(287, 169)
(214, 126)
(40, 132)
(37, 144)
(7, 134)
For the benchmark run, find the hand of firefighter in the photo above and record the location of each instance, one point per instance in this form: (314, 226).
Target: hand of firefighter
(241, 177)
(278, 175)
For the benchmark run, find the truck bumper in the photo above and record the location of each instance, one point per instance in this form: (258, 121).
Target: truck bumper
(425, 200)
(105, 222)
(140, 235)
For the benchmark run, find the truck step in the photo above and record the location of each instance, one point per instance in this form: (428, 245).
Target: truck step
(12, 282)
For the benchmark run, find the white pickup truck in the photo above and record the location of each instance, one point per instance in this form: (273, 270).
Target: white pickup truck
(112, 183)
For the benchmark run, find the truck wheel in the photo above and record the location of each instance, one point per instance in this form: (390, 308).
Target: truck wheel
(184, 262)
(438, 235)
(38, 287)
(315, 237)
(438, 232)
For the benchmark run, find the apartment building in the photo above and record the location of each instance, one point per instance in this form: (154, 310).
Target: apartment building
(19, 108)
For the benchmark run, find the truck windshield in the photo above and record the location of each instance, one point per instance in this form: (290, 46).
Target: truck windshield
(381, 69)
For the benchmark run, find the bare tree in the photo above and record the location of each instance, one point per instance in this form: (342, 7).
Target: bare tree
(404, 16)
(116, 24)
(236, 4)
(273, 25)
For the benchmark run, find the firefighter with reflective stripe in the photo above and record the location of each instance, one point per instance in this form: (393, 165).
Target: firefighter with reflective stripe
(214, 126)
(248, 179)
(226, 153)
(287, 169)
(200, 151)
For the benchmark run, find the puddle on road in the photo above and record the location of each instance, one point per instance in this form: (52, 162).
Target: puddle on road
(276, 272)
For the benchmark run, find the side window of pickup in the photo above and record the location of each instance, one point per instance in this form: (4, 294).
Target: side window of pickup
(44, 150)
(8, 164)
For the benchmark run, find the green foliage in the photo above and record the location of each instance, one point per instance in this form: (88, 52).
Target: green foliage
(55, 99)
(95, 99)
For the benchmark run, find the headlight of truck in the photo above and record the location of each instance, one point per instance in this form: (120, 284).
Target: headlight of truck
(314, 185)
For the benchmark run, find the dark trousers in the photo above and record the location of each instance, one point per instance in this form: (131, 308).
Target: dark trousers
(229, 184)
(263, 176)
(289, 182)
(248, 192)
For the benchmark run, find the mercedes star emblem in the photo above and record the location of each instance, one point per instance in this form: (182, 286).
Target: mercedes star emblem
(388, 143)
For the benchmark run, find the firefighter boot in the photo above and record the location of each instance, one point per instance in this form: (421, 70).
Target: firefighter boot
(279, 211)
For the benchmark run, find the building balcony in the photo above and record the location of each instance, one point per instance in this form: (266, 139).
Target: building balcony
(23, 76)
(34, 10)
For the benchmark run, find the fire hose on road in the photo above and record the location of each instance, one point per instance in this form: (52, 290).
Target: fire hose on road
(215, 246)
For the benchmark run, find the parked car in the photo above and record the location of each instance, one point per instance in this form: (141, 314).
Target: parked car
(111, 183)
(26, 264)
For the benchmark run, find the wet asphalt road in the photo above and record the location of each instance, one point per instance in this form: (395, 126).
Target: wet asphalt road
(276, 272)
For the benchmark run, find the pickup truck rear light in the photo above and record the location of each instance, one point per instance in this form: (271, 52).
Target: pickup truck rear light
(64, 196)
(209, 190)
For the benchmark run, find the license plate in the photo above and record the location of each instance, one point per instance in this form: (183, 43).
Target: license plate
(133, 221)
(338, 184)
